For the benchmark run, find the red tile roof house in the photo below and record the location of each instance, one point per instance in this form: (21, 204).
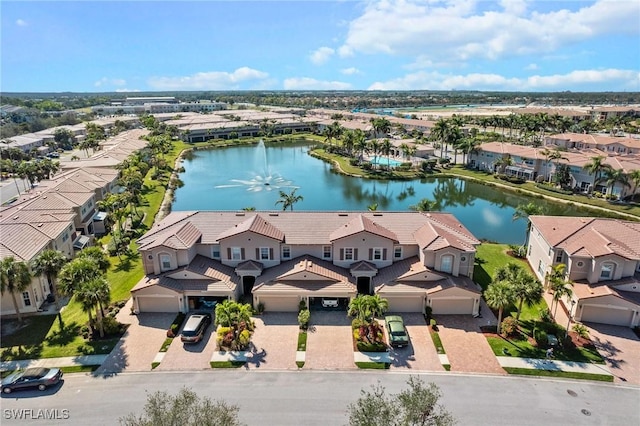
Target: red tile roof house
(278, 259)
(602, 258)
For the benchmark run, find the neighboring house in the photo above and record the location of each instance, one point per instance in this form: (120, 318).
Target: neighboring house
(279, 259)
(602, 258)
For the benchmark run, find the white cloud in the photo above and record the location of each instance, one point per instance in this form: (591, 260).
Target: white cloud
(21, 23)
(127, 90)
(423, 80)
(213, 80)
(104, 81)
(350, 71)
(447, 30)
(322, 55)
(531, 67)
(307, 83)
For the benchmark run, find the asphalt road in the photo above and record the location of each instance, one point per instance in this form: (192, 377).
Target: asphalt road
(321, 398)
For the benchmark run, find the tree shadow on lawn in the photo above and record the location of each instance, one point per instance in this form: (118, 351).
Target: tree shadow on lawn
(64, 336)
(480, 275)
(32, 332)
(21, 352)
(128, 262)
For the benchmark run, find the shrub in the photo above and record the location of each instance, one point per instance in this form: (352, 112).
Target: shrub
(508, 326)
(302, 305)
(540, 337)
(111, 326)
(545, 315)
(353, 161)
(371, 347)
(243, 339)
(260, 307)
(357, 323)
(303, 318)
(581, 330)
(428, 311)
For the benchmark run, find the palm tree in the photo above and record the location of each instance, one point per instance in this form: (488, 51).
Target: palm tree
(359, 308)
(14, 278)
(527, 289)
(440, 132)
(560, 289)
(288, 200)
(424, 205)
(556, 155)
(612, 177)
(498, 295)
(523, 211)
(360, 142)
(96, 254)
(634, 176)
(596, 167)
(95, 293)
(385, 149)
(77, 272)
(49, 263)
(377, 305)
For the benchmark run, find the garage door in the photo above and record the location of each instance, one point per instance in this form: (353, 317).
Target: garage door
(452, 306)
(158, 304)
(606, 315)
(280, 303)
(405, 304)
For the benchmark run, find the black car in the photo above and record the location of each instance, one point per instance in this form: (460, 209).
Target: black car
(40, 378)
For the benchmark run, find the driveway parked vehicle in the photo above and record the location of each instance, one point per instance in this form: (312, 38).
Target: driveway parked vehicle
(40, 378)
(330, 302)
(194, 328)
(398, 336)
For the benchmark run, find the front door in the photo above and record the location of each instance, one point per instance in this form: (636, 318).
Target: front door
(364, 285)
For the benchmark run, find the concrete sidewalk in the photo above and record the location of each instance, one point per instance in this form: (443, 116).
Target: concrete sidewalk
(69, 361)
(553, 365)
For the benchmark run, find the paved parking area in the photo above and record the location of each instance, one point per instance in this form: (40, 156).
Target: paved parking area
(329, 341)
(274, 341)
(467, 348)
(141, 342)
(421, 354)
(190, 356)
(621, 349)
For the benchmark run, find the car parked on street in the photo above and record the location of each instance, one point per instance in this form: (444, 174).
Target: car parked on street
(40, 378)
(194, 328)
(398, 336)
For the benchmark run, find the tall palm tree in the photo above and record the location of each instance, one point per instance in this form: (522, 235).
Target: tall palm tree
(634, 176)
(596, 167)
(498, 295)
(49, 263)
(560, 289)
(440, 132)
(360, 142)
(385, 149)
(612, 177)
(523, 211)
(376, 305)
(77, 272)
(95, 293)
(556, 155)
(288, 200)
(96, 254)
(14, 278)
(527, 289)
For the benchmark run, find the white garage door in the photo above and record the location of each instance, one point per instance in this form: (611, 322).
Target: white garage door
(405, 304)
(606, 315)
(158, 304)
(452, 306)
(280, 303)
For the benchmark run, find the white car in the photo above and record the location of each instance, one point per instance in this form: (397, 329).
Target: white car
(329, 302)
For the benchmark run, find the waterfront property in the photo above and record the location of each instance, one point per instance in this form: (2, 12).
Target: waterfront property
(602, 258)
(279, 259)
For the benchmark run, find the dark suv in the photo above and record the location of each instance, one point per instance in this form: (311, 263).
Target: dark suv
(194, 328)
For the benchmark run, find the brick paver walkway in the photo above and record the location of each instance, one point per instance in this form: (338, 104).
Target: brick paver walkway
(329, 342)
(421, 354)
(274, 341)
(467, 348)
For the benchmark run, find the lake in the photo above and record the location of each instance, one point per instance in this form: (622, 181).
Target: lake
(252, 176)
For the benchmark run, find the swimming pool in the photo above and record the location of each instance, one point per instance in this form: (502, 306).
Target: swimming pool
(383, 161)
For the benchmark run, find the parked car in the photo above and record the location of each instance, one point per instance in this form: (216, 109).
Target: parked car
(40, 378)
(194, 328)
(398, 336)
(330, 302)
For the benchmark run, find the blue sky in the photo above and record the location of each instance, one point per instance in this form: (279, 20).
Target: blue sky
(510, 45)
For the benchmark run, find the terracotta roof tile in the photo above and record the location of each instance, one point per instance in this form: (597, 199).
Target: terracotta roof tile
(361, 223)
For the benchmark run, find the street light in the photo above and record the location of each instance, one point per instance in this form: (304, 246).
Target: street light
(573, 303)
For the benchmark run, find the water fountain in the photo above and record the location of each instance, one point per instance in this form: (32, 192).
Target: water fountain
(267, 180)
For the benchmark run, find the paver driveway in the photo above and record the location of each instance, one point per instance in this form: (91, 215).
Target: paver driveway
(620, 348)
(421, 353)
(190, 356)
(467, 348)
(141, 342)
(329, 341)
(274, 341)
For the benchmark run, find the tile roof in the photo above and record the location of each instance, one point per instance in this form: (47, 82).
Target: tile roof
(584, 290)
(183, 237)
(23, 240)
(361, 223)
(255, 224)
(322, 269)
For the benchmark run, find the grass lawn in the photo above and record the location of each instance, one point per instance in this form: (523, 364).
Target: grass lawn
(227, 364)
(561, 374)
(373, 365)
(302, 341)
(437, 342)
(490, 257)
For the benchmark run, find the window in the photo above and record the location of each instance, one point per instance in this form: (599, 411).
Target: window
(541, 267)
(580, 264)
(286, 252)
(397, 252)
(215, 251)
(264, 253)
(446, 263)
(65, 237)
(529, 249)
(348, 253)
(559, 256)
(26, 297)
(165, 262)
(377, 253)
(463, 258)
(606, 273)
(236, 253)
(326, 252)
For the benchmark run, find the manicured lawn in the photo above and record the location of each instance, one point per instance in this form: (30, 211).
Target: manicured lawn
(373, 365)
(490, 257)
(302, 341)
(437, 342)
(227, 364)
(561, 374)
